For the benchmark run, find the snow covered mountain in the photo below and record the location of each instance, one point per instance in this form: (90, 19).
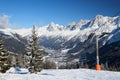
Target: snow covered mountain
(81, 29)
(74, 40)
(13, 41)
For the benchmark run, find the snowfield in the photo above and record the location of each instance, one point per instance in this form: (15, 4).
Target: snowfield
(63, 74)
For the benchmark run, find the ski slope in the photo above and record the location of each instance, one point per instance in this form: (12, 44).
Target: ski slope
(72, 74)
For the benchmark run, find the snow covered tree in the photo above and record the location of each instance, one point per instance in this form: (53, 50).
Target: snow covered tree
(4, 58)
(34, 53)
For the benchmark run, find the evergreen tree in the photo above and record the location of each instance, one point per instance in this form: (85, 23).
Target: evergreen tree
(4, 58)
(34, 53)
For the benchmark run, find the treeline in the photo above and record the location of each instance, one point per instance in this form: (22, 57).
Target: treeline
(85, 65)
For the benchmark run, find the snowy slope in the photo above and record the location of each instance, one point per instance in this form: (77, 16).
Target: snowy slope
(73, 74)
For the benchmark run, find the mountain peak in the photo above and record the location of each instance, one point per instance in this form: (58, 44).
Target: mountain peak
(54, 27)
(99, 16)
(81, 23)
(52, 24)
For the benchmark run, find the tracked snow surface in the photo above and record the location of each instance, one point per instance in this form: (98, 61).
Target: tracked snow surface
(63, 74)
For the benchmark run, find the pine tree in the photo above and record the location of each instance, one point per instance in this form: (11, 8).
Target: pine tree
(34, 53)
(4, 58)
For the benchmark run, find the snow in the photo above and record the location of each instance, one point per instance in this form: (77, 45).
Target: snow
(17, 70)
(65, 50)
(23, 32)
(98, 26)
(114, 36)
(63, 74)
(6, 31)
(81, 29)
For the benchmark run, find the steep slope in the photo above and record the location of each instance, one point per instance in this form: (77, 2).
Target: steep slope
(13, 41)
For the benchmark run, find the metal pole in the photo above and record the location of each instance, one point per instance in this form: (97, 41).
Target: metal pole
(98, 67)
(97, 50)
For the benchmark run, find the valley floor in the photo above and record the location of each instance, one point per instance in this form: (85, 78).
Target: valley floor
(72, 74)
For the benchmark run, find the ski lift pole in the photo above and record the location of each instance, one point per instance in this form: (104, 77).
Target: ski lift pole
(98, 67)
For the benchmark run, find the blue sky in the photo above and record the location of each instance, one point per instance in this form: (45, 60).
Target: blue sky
(25, 13)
